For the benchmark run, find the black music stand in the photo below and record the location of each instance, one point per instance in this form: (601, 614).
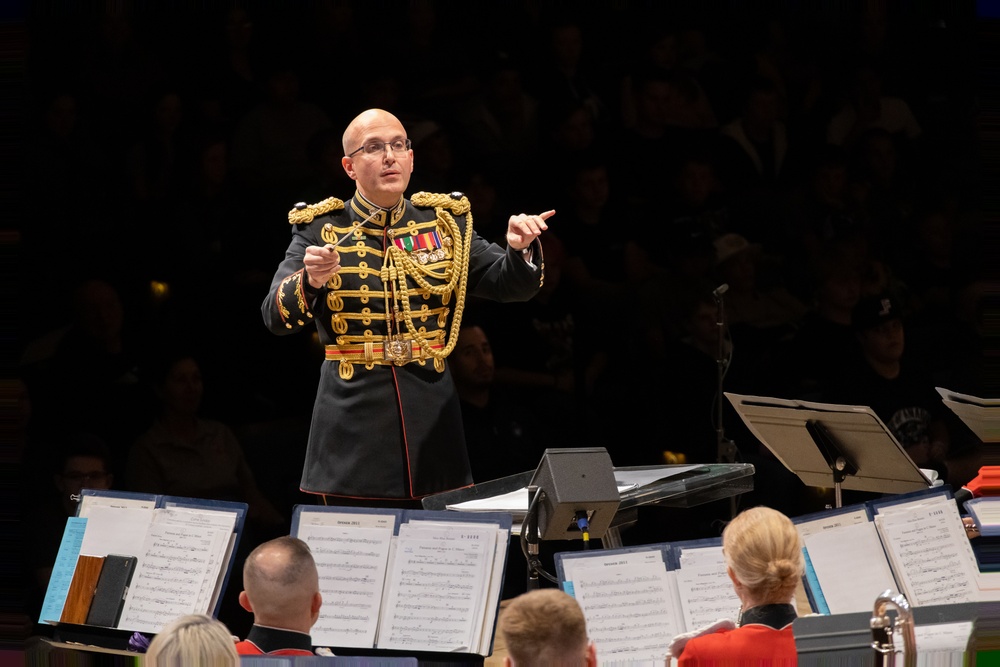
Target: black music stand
(823, 442)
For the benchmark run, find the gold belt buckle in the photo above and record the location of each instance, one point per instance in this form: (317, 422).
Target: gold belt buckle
(398, 350)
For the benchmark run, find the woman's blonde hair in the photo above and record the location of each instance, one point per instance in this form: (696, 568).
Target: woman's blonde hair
(195, 639)
(763, 549)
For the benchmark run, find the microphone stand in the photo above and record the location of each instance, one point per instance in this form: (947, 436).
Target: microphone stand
(725, 448)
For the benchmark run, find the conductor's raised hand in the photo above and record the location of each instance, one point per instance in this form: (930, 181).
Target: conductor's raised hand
(522, 229)
(321, 262)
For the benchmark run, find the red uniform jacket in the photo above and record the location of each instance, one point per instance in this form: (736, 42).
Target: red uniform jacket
(747, 645)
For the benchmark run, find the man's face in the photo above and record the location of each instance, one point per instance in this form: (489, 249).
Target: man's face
(182, 389)
(884, 343)
(472, 361)
(381, 177)
(82, 472)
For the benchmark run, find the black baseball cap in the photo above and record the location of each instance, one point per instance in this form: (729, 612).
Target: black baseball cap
(872, 311)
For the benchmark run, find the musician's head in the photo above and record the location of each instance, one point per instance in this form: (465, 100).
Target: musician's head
(763, 556)
(195, 639)
(545, 627)
(281, 585)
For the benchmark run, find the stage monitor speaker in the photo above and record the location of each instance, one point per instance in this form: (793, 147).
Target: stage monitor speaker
(574, 480)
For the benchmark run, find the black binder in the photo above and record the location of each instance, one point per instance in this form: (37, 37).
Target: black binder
(111, 589)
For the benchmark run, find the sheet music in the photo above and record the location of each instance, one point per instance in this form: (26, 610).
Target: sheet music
(631, 612)
(115, 530)
(223, 525)
(434, 593)
(220, 580)
(88, 502)
(348, 519)
(170, 576)
(494, 571)
(703, 556)
(986, 511)
(633, 479)
(832, 521)
(619, 560)
(515, 502)
(448, 530)
(849, 564)
(351, 562)
(707, 594)
(931, 553)
(940, 637)
(494, 590)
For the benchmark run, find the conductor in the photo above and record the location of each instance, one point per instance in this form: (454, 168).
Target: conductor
(383, 278)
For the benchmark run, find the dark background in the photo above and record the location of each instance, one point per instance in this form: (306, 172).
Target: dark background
(142, 154)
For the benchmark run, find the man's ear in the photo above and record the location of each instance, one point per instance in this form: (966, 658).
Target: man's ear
(591, 654)
(348, 165)
(245, 602)
(507, 662)
(317, 602)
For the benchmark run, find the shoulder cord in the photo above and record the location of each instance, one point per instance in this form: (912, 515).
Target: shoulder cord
(399, 265)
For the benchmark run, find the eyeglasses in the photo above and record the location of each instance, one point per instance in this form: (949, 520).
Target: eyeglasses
(85, 476)
(398, 146)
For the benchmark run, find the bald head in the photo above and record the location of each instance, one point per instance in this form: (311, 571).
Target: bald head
(281, 584)
(381, 176)
(354, 135)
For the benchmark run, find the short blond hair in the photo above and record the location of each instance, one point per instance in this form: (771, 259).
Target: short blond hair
(763, 548)
(544, 627)
(195, 639)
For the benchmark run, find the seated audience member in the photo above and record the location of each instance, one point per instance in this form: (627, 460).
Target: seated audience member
(895, 385)
(826, 342)
(764, 560)
(502, 433)
(82, 462)
(195, 639)
(281, 590)
(755, 302)
(545, 627)
(184, 454)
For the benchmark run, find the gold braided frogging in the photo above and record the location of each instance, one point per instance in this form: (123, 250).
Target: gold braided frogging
(399, 265)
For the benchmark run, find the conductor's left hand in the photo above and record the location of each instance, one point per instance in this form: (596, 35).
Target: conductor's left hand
(522, 229)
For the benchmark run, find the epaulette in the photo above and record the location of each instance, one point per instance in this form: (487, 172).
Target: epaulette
(456, 202)
(304, 213)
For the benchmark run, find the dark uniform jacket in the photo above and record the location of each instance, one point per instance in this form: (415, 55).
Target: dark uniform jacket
(386, 422)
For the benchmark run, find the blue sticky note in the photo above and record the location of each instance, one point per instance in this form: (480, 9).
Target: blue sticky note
(567, 586)
(63, 569)
(817, 591)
